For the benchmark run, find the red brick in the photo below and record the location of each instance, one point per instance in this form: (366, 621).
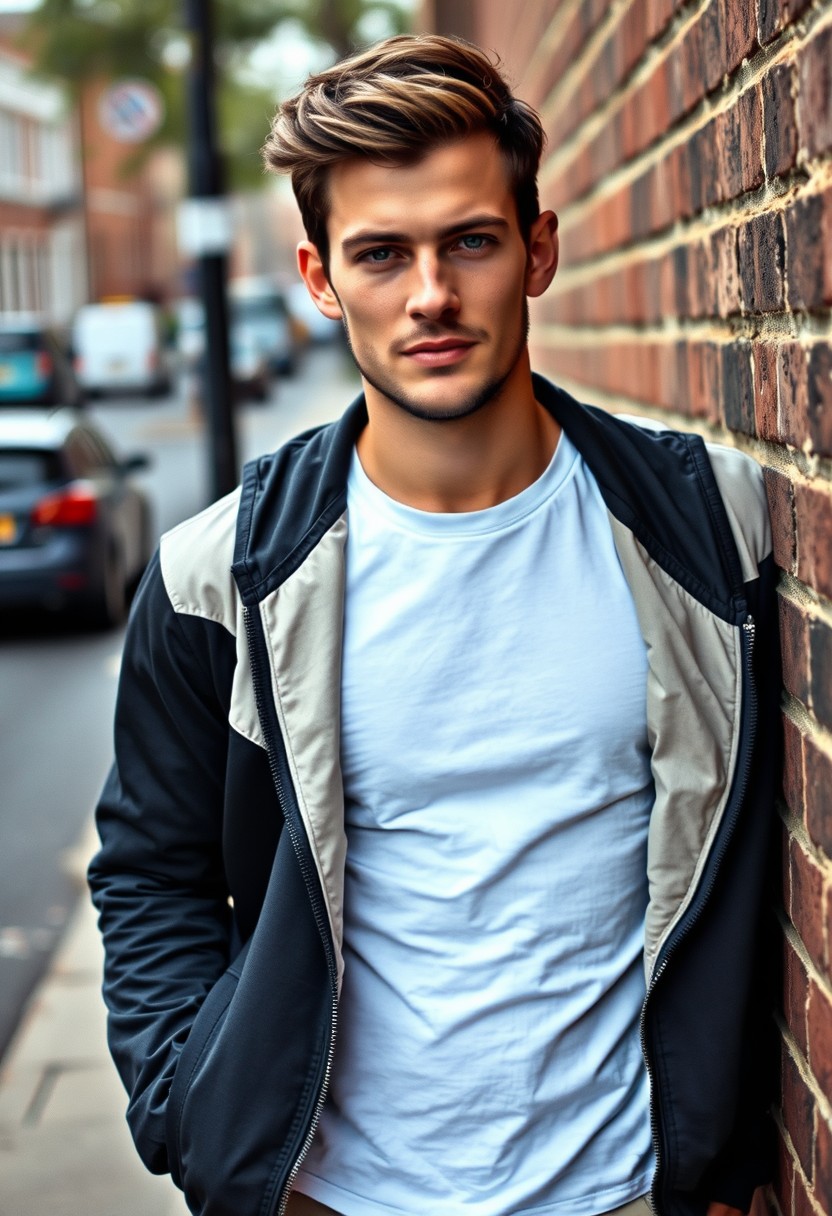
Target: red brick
(807, 901)
(792, 393)
(765, 391)
(820, 398)
(739, 26)
(794, 646)
(803, 1205)
(761, 261)
(819, 1025)
(799, 1113)
(808, 240)
(796, 995)
(713, 45)
(817, 766)
(750, 107)
(823, 1161)
(781, 511)
(820, 671)
(780, 120)
(813, 514)
(784, 1178)
(724, 272)
(729, 143)
(738, 387)
(694, 68)
(814, 103)
(793, 767)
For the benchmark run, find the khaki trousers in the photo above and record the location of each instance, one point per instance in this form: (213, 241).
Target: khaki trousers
(302, 1205)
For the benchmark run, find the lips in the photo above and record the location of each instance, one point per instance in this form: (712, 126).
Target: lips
(441, 352)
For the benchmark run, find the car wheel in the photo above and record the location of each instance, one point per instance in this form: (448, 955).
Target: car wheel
(108, 607)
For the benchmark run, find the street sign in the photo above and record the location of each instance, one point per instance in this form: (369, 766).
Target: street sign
(131, 110)
(203, 226)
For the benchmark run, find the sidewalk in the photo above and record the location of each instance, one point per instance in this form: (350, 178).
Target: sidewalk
(64, 1145)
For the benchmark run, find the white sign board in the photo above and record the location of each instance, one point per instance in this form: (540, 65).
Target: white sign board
(204, 226)
(131, 110)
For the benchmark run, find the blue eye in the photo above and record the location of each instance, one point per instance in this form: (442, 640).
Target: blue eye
(473, 242)
(377, 255)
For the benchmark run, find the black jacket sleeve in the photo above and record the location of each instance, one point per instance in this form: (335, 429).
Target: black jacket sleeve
(158, 879)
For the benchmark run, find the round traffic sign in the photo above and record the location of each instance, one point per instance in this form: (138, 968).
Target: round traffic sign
(131, 110)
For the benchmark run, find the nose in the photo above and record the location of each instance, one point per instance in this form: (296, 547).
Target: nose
(433, 292)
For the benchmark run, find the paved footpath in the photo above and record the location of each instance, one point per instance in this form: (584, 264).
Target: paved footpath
(64, 1145)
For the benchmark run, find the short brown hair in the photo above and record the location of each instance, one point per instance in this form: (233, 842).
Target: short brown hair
(392, 104)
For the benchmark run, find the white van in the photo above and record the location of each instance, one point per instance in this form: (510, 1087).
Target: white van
(120, 345)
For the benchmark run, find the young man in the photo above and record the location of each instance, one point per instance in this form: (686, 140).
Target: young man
(448, 728)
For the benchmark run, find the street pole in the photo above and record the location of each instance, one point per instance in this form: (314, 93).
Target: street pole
(207, 234)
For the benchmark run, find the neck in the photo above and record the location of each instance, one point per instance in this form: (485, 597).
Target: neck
(464, 464)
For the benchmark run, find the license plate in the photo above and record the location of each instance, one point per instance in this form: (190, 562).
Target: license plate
(117, 365)
(8, 529)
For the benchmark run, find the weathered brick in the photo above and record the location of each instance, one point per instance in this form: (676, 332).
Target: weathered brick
(794, 645)
(724, 272)
(820, 670)
(729, 146)
(765, 391)
(694, 68)
(750, 107)
(808, 240)
(739, 26)
(814, 104)
(793, 785)
(807, 901)
(780, 120)
(817, 765)
(799, 1113)
(823, 1160)
(820, 398)
(819, 1025)
(761, 260)
(713, 45)
(738, 388)
(793, 393)
(781, 510)
(796, 994)
(784, 1177)
(773, 15)
(813, 514)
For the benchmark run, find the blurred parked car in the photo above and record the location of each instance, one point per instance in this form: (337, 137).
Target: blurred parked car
(320, 328)
(249, 363)
(35, 365)
(75, 529)
(120, 345)
(258, 307)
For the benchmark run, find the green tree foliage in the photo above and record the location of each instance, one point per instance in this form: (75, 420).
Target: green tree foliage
(80, 40)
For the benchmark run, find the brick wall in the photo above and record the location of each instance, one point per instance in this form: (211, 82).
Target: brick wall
(690, 161)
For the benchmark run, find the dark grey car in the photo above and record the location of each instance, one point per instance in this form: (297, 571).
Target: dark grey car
(75, 529)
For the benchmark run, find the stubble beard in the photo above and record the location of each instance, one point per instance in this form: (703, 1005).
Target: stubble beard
(462, 407)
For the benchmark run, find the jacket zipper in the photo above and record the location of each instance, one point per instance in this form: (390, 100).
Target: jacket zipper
(749, 628)
(255, 640)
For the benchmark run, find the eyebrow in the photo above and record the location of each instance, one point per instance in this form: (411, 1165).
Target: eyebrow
(370, 237)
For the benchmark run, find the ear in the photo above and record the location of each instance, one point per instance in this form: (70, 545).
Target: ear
(544, 248)
(312, 272)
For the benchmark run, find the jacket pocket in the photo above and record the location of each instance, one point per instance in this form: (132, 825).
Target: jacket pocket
(207, 1024)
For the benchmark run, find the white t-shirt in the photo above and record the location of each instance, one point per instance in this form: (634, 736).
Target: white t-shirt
(498, 786)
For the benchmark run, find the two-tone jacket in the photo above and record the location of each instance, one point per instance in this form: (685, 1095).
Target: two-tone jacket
(220, 875)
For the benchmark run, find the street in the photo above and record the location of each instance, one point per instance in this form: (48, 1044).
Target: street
(58, 684)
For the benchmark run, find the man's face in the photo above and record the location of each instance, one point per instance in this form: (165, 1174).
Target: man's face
(429, 272)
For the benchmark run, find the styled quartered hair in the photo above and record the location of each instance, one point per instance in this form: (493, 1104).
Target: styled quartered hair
(392, 104)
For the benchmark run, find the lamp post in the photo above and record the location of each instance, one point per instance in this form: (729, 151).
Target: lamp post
(205, 232)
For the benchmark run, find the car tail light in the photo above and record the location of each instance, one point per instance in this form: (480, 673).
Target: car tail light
(73, 507)
(152, 360)
(78, 365)
(43, 362)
